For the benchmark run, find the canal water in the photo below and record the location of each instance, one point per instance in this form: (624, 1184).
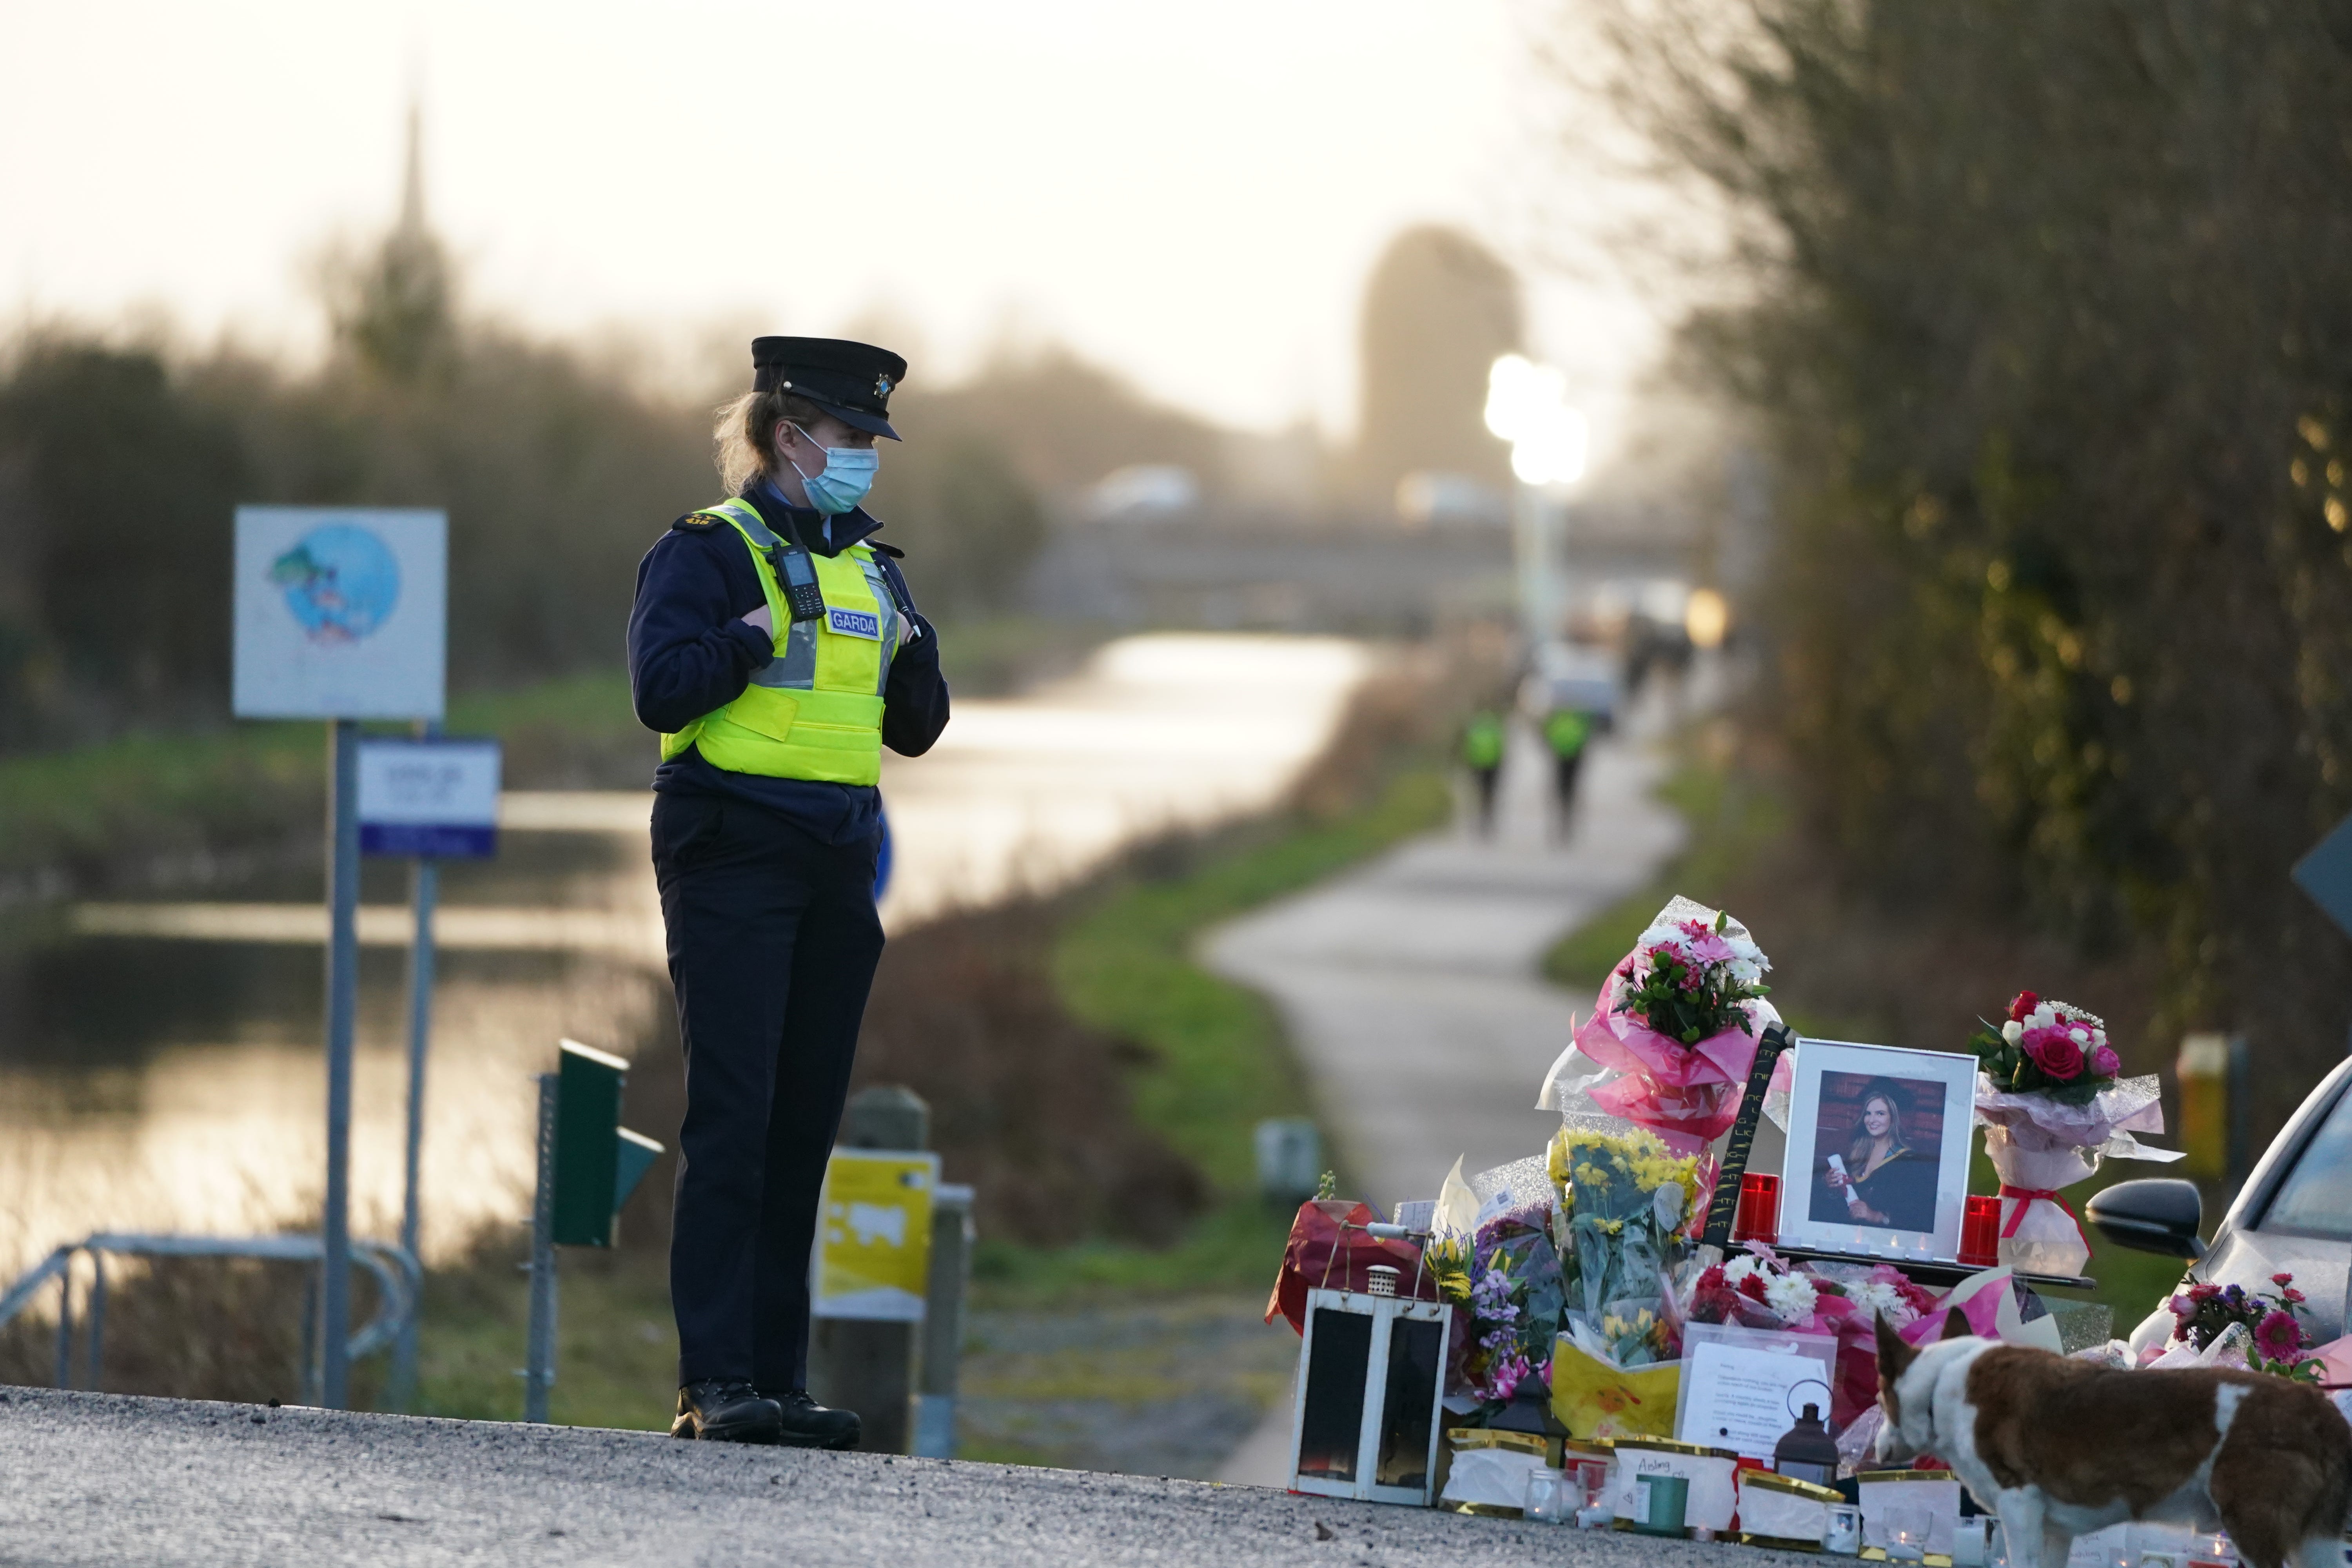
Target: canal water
(161, 1065)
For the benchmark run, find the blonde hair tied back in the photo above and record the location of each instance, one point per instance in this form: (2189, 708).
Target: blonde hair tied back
(743, 434)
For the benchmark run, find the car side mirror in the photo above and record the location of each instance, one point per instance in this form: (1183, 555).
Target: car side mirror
(2159, 1213)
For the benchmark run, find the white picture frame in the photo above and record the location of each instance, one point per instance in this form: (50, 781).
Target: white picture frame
(1911, 1214)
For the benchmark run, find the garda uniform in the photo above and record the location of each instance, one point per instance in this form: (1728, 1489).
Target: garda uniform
(766, 825)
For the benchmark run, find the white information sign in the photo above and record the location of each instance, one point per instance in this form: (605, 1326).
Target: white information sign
(342, 613)
(434, 796)
(1742, 1389)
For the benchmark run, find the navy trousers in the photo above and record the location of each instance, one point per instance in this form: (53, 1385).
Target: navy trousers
(773, 944)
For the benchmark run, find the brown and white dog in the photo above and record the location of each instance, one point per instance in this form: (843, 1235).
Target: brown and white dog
(2058, 1449)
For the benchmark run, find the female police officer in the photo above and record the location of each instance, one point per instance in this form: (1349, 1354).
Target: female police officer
(775, 647)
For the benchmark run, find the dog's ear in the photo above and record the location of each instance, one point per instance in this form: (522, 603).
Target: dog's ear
(1956, 1325)
(1894, 1357)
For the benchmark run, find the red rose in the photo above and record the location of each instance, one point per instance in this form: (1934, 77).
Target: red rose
(2024, 1002)
(2053, 1050)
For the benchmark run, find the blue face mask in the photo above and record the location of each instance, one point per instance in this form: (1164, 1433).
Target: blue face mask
(848, 473)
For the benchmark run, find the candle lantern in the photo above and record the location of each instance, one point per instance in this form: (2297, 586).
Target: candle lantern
(1366, 1417)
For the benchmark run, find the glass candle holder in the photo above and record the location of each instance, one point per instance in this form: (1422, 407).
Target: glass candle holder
(1980, 1232)
(1906, 1534)
(1548, 1496)
(1758, 1217)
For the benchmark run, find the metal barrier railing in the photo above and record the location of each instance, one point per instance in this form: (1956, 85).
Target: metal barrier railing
(397, 1276)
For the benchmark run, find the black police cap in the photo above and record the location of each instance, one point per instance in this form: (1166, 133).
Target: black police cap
(850, 381)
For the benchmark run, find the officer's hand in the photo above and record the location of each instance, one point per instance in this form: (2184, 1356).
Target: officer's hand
(763, 619)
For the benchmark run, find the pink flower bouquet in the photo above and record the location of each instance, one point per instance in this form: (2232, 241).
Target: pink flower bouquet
(2053, 1103)
(1674, 1030)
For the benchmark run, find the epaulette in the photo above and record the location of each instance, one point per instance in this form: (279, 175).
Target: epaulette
(892, 550)
(697, 519)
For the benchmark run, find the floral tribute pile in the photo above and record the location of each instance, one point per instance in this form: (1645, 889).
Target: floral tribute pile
(2053, 1104)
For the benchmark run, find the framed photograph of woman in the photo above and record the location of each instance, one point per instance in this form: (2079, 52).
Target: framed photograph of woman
(1878, 1151)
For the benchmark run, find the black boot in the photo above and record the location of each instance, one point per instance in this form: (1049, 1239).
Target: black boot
(725, 1410)
(808, 1424)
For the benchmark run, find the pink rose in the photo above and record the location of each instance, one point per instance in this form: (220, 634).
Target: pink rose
(2106, 1063)
(2053, 1050)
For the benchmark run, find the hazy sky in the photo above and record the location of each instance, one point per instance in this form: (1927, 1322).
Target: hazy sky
(1192, 193)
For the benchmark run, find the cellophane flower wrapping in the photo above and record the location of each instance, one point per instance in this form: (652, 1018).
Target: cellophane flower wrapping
(2041, 1144)
(1626, 1203)
(1673, 1031)
(1503, 1275)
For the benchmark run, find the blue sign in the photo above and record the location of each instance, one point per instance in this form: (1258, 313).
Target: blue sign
(436, 797)
(2325, 874)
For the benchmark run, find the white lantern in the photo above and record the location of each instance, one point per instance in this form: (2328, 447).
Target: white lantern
(1366, 1420)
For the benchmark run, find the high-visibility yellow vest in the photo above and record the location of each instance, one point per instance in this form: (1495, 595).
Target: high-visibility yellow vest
(816, 712)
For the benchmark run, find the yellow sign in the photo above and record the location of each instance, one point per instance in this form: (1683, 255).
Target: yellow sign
(874, 1234)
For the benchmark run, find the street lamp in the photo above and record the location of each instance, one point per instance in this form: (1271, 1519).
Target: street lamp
(1527, 404)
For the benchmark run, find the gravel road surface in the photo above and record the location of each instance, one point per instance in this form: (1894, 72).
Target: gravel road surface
(110, 1478)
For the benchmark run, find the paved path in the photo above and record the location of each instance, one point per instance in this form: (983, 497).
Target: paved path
(109, 1478)
(1411, 987)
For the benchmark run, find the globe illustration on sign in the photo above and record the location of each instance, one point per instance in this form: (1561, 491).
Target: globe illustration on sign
(340, 581)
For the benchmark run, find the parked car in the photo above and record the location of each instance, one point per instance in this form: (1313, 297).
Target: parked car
(2292, 1216)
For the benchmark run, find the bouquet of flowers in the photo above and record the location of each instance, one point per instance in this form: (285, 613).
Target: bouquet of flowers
(1674, 1030)
(1502, 1273)
(1628, 1200)
(2051, 1099)
(2269, 1320)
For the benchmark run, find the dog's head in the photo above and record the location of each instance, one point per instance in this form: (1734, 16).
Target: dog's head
(1906, 1381)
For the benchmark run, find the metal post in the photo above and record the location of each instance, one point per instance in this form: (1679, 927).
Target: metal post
(1531, 561)
(64, 1377)
(308, 1379)
(97, 1319)
(342, 1010)
(539, 1369)
(952, 1235)
(424, 892)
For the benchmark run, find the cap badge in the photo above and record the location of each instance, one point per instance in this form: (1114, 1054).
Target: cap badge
(881, 386)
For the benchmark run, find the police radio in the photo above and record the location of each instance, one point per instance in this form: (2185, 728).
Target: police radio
(796, 575)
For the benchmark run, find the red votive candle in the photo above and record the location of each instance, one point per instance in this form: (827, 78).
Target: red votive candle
(1980, 1232)
(1758, 1217)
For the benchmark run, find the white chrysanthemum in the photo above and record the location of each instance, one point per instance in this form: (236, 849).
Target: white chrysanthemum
(1792, 1297)
(1746, 971)
(1876, 1299)
(1738, 1268)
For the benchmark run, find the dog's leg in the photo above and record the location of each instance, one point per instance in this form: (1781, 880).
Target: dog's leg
(2019, 1510)
(2320, 1552)
(2057, 1545)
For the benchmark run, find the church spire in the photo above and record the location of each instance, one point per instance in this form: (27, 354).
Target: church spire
(412, 185)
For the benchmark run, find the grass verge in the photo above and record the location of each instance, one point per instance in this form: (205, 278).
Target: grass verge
(1218, 1063)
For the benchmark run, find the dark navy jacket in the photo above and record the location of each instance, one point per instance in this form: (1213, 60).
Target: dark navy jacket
(690, 652)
